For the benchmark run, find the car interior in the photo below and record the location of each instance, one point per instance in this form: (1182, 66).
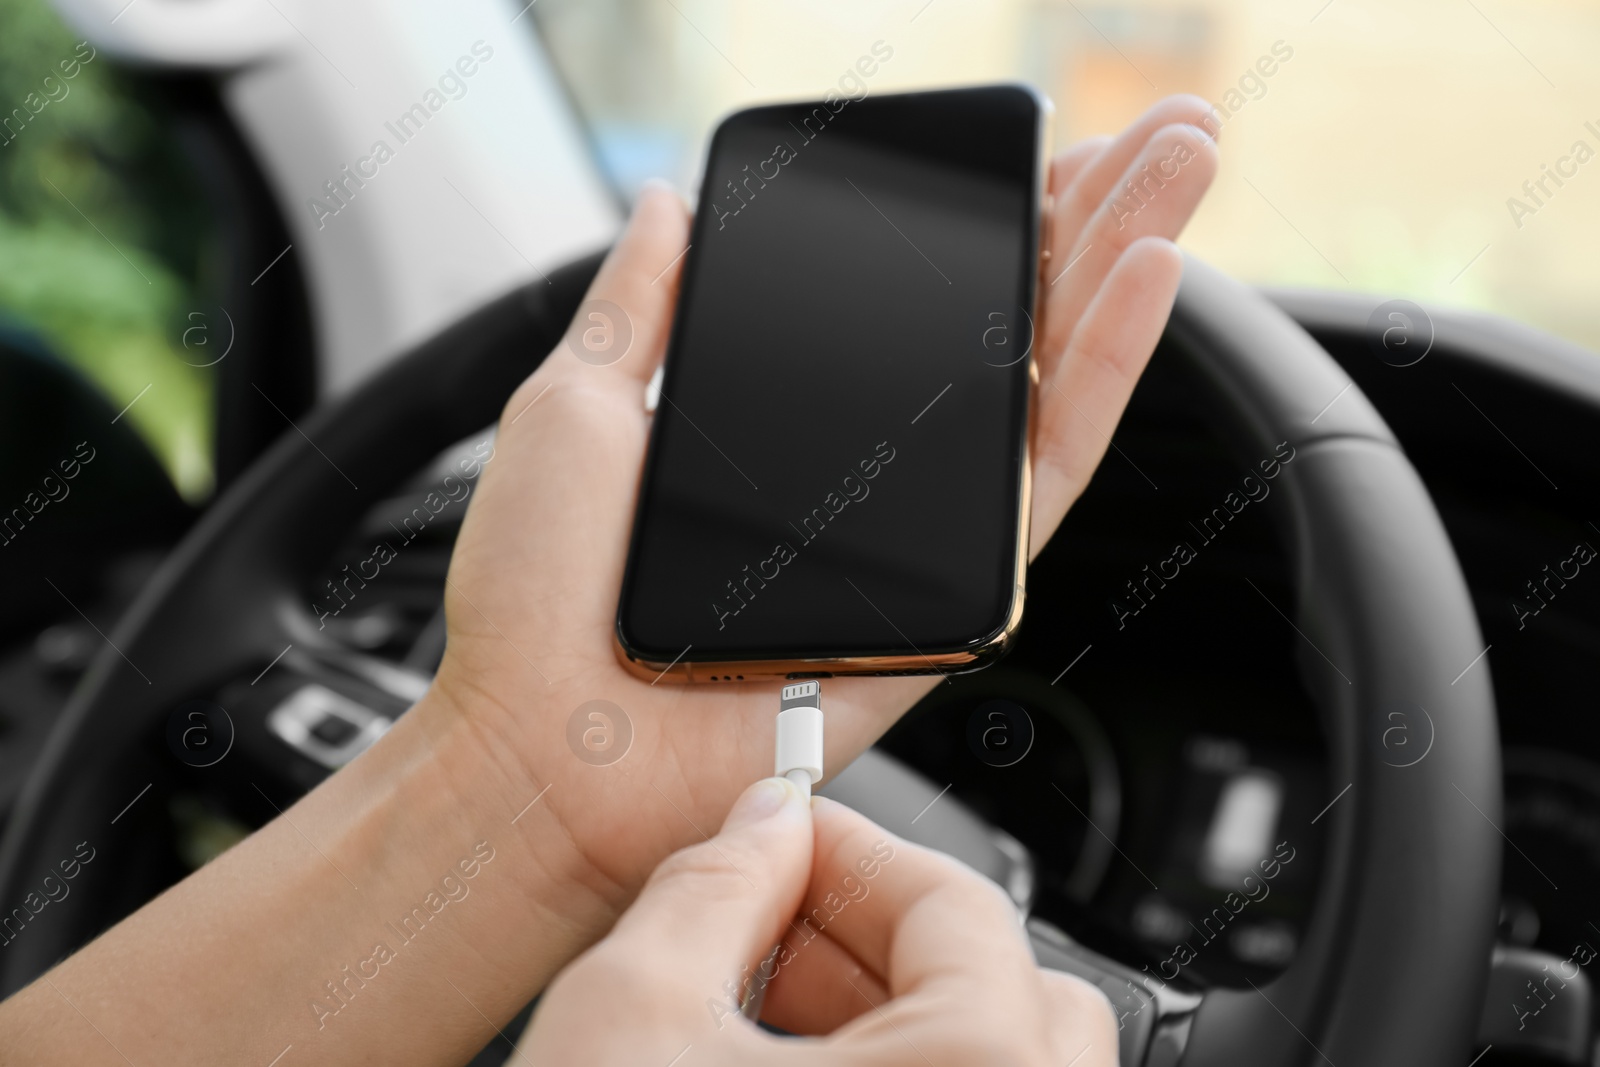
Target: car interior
(1370, 678)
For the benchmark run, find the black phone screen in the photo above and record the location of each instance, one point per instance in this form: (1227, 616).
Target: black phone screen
(836, 467)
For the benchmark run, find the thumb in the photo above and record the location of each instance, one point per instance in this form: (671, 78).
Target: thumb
(626, 315)
(711, 913)
(1083, 1026)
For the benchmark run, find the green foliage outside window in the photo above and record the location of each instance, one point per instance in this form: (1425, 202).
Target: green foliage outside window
(102, 234)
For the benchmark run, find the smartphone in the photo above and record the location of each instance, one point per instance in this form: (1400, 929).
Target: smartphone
(837, 479)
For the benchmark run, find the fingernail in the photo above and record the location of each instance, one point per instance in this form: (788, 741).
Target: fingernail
(761, 801)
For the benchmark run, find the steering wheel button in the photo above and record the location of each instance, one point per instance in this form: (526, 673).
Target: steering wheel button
(335, 731)
(326, 726)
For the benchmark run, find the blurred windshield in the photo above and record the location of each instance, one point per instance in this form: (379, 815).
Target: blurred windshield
(1374, 147)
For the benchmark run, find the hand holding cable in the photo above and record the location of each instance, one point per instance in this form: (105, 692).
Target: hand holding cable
(926, 963)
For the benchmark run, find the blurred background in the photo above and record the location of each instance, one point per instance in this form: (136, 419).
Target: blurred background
(1378, 155)
(1390, 141)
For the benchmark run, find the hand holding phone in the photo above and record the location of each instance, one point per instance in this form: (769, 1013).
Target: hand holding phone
(536, 572)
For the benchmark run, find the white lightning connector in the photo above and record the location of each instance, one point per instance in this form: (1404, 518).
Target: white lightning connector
(799, 748)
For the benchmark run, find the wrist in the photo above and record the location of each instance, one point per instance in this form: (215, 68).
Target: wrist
(502, 781)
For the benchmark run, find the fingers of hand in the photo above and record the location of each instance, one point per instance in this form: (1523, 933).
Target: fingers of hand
(1082, 400)
(908, 914)
(1156, 195)
(714, 909)
(1070, 162)
(1090, 186)
(1083, 1029)
(1066, 166)
(820, 985)
(620, 331)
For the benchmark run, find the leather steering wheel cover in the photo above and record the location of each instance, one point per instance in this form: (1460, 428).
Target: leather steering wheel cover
(249, 559)
(1395, 959)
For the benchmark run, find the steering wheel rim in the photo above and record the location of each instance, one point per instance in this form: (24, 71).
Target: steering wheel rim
(1395, 959)
(1395, 956)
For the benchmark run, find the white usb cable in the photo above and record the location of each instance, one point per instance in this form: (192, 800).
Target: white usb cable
(799, 759)
(799, 749)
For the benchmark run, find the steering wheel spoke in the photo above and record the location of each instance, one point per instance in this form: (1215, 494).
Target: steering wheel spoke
(1153, 1017)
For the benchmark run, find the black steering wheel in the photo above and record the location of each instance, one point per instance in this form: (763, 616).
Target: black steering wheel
(1395, 958)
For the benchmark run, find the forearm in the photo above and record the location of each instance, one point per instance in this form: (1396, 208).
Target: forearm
(385, 917)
